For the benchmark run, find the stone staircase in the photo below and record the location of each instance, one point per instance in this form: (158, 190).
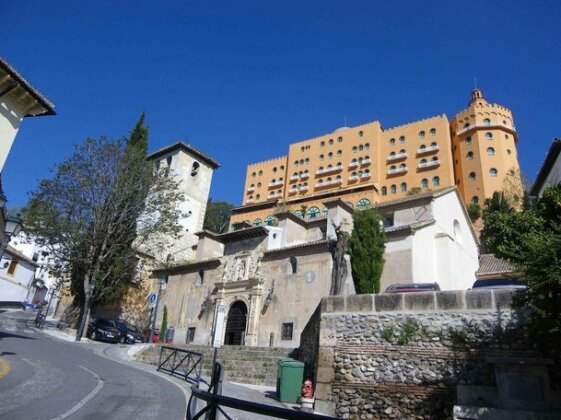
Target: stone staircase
(249, 365)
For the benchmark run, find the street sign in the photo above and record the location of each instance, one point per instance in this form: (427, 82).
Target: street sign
(219, 326)
(152, 300)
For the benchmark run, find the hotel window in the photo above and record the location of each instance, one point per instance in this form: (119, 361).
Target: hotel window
(475, 199)
(469, 156)
(250, 197)
(488, 135)
(384, 191)
(330, 141)
(287, 330)
(472, 176)
(296, 163)
(269, 221)
(363, 203)
(423, 162)
(339, 139)
(321, 157)
(508, 151)
(402, 139)
(322, 144)
(392, 154)
(433, 144)
(258, 196)
(402, 152)
(466, 125)
(468, 140)
(338, 177)
(274, 169)
(330, 155)
(393, 189)
(487, 121)
(435, 159)
(307, 160)
(260, 173)
(403, 187)
(436, 181)
(422, 134)
(392, 142)
(366, 146)
(393, 168)
(360, 134)
(432, 131)
(422, 147)
(312, 213)
(339, 153)
(490, 151)
(355, 149)
(257, 222)
(281, 168)
(403, 166)
(424, 183)
(258, 185)
(360, 147)
(493, 172)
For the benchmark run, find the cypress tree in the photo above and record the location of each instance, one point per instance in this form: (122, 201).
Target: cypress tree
(138, 137)
(366, 247)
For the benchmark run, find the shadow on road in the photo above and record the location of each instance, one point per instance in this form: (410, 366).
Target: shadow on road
(7, 353)
(4, 334)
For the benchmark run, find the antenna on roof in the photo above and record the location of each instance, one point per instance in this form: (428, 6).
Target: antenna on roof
(474, 82)
(345, 121)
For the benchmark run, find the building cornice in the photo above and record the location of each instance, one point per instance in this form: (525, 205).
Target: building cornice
(186, 148)
(305, 248)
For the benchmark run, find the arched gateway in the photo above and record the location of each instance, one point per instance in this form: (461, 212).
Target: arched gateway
(235, 327)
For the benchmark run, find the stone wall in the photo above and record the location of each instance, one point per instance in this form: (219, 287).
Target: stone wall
(402, 355)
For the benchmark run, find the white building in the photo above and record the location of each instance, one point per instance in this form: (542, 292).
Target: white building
(550, 172)
(18, 100)
(429, 239)
(193, 171)
(17, 278)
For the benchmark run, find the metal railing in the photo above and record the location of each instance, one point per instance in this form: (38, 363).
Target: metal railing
(185, 364)
(215, 403)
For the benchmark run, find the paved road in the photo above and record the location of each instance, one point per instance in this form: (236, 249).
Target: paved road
(45, 378)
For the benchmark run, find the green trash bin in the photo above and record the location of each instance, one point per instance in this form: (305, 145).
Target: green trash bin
(290, 375)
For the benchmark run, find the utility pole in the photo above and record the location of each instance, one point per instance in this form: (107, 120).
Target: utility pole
(161, 281)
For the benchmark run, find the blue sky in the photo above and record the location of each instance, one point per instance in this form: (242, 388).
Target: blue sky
(242, 80)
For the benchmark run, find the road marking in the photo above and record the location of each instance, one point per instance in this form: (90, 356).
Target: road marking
(5, 367)
(84, 400)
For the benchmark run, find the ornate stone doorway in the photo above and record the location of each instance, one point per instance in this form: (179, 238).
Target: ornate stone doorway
(235, 327)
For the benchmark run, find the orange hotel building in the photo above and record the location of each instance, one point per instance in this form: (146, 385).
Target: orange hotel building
(369, 164)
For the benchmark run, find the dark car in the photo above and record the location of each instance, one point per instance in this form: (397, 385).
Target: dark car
(129, 333)
(413, 287)
(104, 330)
(503, 283)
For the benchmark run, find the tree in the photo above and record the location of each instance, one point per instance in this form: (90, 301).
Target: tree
(474, 212)
(531, 240)
(366, 247)
(99, 200)
(217, 216)
(164, 325)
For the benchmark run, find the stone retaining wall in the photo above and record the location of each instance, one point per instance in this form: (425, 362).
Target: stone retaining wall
(402, 355)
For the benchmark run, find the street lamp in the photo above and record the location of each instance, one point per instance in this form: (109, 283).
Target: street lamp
(162, 279)
(12, 228)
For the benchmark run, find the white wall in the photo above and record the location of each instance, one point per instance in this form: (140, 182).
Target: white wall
(554, 176)
(15, 288)
(10, 120)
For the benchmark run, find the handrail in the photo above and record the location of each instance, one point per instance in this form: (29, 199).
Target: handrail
(215, 400)
(191, 361)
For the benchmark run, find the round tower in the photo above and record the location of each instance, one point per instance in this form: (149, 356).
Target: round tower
(484, 150)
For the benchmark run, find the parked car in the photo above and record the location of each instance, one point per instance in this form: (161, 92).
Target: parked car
(413, 287)
(129, 333)
(104, 330)
(504, 283)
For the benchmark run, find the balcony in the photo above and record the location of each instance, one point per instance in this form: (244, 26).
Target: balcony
(305, 175)
(329, 170)
(353, 164)
(250, 189)
(429, 164)
(250, 200)
(364, 175)
(303, 188)
(328, 183)
(275, 195)
(399, 156)
(488, 127)
(293, 190)
(397, 171)
(430, 149)
(294, 177)
(366, 161)
(353, 177)
(276, 183)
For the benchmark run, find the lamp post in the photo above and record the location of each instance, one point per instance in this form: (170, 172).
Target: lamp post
(162, 279)
(12, 228)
